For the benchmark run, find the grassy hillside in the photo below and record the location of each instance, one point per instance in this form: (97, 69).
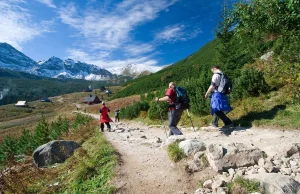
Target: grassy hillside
(190, 67)
(260, 54)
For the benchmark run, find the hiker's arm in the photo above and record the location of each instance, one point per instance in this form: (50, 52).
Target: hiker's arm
(165, 98)
(209, 90)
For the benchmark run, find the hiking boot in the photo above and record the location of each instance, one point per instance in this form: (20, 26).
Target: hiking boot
(228, 126)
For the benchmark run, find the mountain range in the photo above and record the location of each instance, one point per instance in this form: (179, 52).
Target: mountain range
(11, 58)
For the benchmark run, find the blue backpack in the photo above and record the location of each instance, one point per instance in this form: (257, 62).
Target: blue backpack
(182, 99)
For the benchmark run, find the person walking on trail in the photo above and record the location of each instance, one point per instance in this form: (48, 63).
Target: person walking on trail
(219, 102)
(104, 118)
(117, 119)
(174, 114)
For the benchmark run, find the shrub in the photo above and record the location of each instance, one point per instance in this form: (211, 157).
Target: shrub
(134, 110)
(175, 152)
(249, 83)
(157, 110)
(241, 185)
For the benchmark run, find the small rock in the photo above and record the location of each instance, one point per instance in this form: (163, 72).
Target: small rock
(261, 162)
(208, 184)
(297, 178)
(231, 171)
(197, 157)
(277, 162)
(261, 170)
(217, 184)
(286, 171)
(143, 137)
(293, 163)
(192, 166)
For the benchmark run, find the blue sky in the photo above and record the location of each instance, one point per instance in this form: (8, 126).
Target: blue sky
(109, 33)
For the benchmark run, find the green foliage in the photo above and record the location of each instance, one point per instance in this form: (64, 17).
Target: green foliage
(93, 169)
(157, 110)
(81, 119)
(134, 110)
(241, 185)
(43, 133)
(249, 83)
(175, 153)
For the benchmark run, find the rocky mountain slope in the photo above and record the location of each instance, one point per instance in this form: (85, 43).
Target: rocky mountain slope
(135, 70)
(12, 59)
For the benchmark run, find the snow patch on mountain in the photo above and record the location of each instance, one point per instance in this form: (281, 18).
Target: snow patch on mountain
(134, 69)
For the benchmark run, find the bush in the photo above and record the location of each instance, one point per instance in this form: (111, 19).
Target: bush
(134, 110)
(249, 83)
(175, 152)
(157, 110)
(241, 185)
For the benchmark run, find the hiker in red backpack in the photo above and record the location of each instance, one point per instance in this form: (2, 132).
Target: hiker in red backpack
(174, 114)
(104, 118)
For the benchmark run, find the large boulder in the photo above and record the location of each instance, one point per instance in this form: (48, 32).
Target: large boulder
(235, 155)
(54, 152)
(191, 146)
(274, 183)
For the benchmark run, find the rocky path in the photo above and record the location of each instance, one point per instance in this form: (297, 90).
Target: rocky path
(145, 167)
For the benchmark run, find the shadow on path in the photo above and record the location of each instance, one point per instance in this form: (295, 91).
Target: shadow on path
(246, 121)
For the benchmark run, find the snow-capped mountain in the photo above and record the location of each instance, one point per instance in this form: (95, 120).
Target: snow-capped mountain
(134, 70)
(57, 68)
(10, 58)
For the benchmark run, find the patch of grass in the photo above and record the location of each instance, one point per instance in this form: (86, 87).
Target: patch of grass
(204, 161)
(175, 152)
(91, 167)
(244, 186)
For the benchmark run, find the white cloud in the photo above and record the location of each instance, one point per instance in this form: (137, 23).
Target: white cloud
(139, 49)
(16, 24)
(49, 3)
(109, 30)
(177, 32)
(109, 64)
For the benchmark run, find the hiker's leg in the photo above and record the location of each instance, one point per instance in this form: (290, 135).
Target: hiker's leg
(215, 120)
(174, 117)
(108, 126)
(224, 118)
(102, 127)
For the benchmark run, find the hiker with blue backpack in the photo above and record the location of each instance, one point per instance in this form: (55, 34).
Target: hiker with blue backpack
(175, 108)
(220, 86)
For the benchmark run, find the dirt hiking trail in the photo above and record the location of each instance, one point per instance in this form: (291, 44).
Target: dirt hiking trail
(144, 165)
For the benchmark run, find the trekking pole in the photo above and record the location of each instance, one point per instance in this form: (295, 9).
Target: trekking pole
(190, 119)
(162, 120)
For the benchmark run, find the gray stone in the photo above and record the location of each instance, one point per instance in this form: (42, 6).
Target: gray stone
(222, 158)
(292, 149)
(207, 184)
(278, 162)
(269, 166)
(197, 157)
(216, 184)
(261, 170)
(191, 146)
(174, 138)
(54, 152)
(286, 171)
(231, 171)
(293, 163)
(261, 162)
(192, 166)
(297, 178)
(274, 183)
(143, 137)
